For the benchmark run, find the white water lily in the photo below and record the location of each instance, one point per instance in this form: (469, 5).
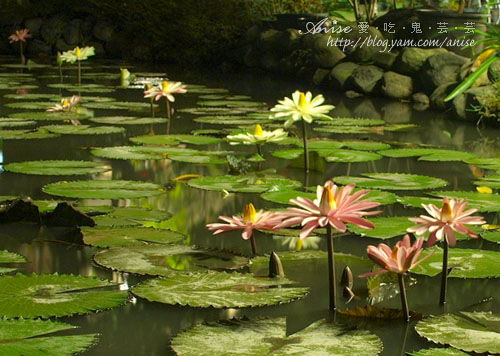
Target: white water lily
(66, 105)
(78, 54)
(302, 107)
(258, 137)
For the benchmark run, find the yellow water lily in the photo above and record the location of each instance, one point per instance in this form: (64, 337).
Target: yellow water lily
(66, 105)
(484, 190)
(302, 106)
(258, 137)
(78, 54)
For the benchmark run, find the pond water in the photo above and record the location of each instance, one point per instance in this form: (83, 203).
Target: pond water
(145, 328)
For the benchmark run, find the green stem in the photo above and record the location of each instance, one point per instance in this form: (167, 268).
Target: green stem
(79, 73)
(404, 301)
(444, 273)
(331, 269)
(21, 52)
(306, 149)
(259, 150)
(168, 116)
(60, 74)
(254, 246)
(152, 107)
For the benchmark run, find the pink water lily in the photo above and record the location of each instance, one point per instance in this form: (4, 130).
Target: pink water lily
(66, 105)
(402, 257)
(166, 90)
(20, 35)
(249, 221)
(442, 223)
(332, 206)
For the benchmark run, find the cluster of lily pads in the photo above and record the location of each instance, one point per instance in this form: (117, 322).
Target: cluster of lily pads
(188, 275)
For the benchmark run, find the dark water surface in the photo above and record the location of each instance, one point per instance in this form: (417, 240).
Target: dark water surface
(144, 328)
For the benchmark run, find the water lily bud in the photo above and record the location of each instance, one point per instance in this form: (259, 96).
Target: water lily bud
(348, 294)
(347, 279)
(275, 266)
(59, 59)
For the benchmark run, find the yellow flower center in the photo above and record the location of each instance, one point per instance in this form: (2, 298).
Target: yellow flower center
(446, 211)
(395, 250)
(302, 100)
(164, 86)
(78, 52)
(249, 214)
(328, 198)
(258, 130)
(65, 103)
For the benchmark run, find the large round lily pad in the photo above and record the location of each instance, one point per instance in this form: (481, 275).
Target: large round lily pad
(385, 227)
(128, 120)
(56, 168)
(175, 139)
(218, 290)
(392, 181)
(9, 257)
(161, 260)
(465, 263)
(49, 295)
(472, 334)
(32, 337)
(119, 105)
(129, 236)
(228, 120)
(9, 122)
(352, 121)
(484, 202)
(428, 154)
(26, 134)
(246, 184)
(52, 116)
(82, 88)
(438, 352)
(103, 189)
(155, 152)
(83, 129)
(268, 337)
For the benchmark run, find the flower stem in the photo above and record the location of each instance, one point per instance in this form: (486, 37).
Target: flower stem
(79, 73)
(254, 246)
(168, 115)
(331, 269)
(21, 52)
(444, 273)
(404, 301)
(306, 149)
(259, 150)
(60, 74)
(152, 107)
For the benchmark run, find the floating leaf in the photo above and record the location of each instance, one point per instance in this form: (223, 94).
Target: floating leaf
(175, 139)
(465, 263)
(493, 236)
(463, 334)
(244, 183)
(228, 120)
(161, 260)
(268, 337)
(393, 181)
(30, 105)
(129, 236)
(103, 189)
(218, 290)
(82, 88)
(52, 116)
(375, 312)
(417, 202)
(230, 103)
(26, 134)
(385, 228)
(350, 121)
(484, 202)
(49, 295)
(284, 196)
(350, 156)
(27, 337)
(485, 163)
(151, 152)
(210, 111)
(6, 122)
(201, 159)
(119, 105)
(127, 120)
(364, 129)
(83, 130)
(428, 154)
(366, 145)
(140, 214)
(56, 168)
(9, 257)
(438, 352)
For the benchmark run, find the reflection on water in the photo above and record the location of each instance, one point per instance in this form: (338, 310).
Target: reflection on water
(144, 328)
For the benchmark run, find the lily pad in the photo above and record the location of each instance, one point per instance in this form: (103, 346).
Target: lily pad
(202, 159)
(492, 163)
(103, 189)
(230, 103)
(268, 337)
(161, 260)
(244, 183)
(228, 120)
(140, 214)
(461, 333)
(393, 181)
(493, 236)
(26, 134)
(127, 120)
(7, 122)
(366, 145)
(428, 154)
(176, 139)
(218, 290)
(83, 129)
(82, 88)
(364, 129)
(347, 156)
(201, 89)
(31, 337)
(129, 236)
(52, 116)
(438, 352)
(119, 105)
(9, 257)
(416, 202)
(210, 111)
(30, 105)
(47, 295)
(150, 152)
(385, 228)
(56, 168)
(485, 202)
(465, 263)
(350, 121)
(492, 181)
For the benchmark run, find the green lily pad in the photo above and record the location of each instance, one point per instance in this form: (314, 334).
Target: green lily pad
(198, 159)
(465, 263)
(83, 129)
(385, 228)
(82, 88)
(149, 153)
(218, 290)
(211, 111)
(26, 134)
(428, 154)
(9, 257)
(119, 105)
(224, 97)
(485, 163)
(7, 122)
(438, 352)
(30, 105)
(268, 337)
(460, 333)
(364, 129)
(140, 214)
(350, 121)
(493, 236)
(416, 202)
(47, 295)
(33, 96)
(228, 120)
(201, 89)
(492, 181)
(484, 202)
(320, 144)
(350, 156)
(129, 236)
(52, 116)
(103, 189)
(56, 168)
(246, 184)
(393, 181)
(31, 337)
(175, 139)
(127, 120)
(7, 197)
(161, 260)
(366, 145)
(230, 103)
